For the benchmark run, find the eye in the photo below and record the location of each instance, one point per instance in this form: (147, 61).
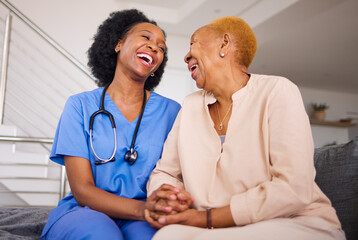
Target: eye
(162, 49)
(145, 36)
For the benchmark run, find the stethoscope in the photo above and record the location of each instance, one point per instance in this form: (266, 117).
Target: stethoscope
(131, 155)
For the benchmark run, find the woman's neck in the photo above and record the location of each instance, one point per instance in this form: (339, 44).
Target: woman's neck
(229, 85)
(128, 96)
(126, 90)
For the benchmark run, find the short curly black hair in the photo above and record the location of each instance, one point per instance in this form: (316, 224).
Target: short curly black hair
(102, 58)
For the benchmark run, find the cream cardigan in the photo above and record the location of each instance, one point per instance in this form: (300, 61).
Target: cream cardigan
(265, 167)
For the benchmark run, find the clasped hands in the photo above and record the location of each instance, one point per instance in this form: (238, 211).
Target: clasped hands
(170, 205)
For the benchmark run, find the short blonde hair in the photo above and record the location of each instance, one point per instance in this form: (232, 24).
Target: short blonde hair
(245, 39)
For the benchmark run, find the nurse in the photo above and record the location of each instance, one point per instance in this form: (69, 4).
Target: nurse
(107, 199)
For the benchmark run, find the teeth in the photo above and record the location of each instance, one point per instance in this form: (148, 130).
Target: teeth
(146, 56)
(193, 67)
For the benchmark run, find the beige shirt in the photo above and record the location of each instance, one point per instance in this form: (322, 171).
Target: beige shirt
(263, 170)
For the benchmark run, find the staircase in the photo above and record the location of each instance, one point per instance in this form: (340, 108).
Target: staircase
(27, 177)
(41, 75)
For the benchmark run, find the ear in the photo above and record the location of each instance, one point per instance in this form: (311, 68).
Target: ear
(117, 48)
(225, 45)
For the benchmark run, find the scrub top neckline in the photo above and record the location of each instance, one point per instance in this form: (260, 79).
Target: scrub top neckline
(109, 101)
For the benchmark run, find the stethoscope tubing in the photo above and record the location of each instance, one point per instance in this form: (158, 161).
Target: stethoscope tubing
(133, 154)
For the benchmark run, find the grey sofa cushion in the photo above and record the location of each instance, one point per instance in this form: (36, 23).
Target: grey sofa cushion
(22, 223)
(337, 176)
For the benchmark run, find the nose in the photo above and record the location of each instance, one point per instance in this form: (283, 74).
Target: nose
(152, 47)
(187, 57)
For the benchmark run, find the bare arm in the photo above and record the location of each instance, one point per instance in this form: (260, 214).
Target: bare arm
(86, 193)
(220, 218)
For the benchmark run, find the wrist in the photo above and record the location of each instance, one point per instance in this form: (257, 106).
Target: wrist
(209, 222)
(139, 211)
(199, 220)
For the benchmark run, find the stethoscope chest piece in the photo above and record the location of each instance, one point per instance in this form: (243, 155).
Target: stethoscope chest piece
(131, 156)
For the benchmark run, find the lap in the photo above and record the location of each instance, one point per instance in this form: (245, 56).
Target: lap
(85, 223)
(279, 229)
(137, 230)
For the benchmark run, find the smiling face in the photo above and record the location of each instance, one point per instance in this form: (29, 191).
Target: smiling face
(202, 58)
(141, 51)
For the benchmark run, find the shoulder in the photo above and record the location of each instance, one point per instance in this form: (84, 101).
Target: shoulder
(275, 90)
(92, 95)
(194, 104)
(197, 96)
(270, 81)
(168, 103)
(271, 84)
(84, 99)
(88, 96)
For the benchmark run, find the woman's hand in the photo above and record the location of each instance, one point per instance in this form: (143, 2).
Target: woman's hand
(166, 200)
(190, 217)
(169, 199)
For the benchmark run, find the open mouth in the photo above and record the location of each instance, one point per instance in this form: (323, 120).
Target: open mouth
(193, 67)
(146, 58)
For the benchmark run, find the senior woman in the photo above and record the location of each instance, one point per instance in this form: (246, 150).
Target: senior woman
(108, 167)
(242, 148)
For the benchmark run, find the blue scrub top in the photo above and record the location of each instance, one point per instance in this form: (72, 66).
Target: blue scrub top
(118, 177)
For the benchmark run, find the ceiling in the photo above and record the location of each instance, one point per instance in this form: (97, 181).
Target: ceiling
(313, 43)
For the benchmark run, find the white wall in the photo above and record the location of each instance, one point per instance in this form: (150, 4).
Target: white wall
(73, 27)
(71, 23)
(177, 82)
(341, 105)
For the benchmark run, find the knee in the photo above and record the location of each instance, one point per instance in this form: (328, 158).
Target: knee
(85, 224)
(99, 226)
(173, 231)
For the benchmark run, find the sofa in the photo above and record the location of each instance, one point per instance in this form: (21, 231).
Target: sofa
(336, 174)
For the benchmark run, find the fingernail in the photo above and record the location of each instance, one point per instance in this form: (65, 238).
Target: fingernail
(168, 209)
(176, 189)
(173, 197)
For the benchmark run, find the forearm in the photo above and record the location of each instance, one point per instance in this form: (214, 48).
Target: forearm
(221, 217)
(110, 204)
(86, 193)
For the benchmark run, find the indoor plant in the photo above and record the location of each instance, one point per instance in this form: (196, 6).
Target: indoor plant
(319, 110)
